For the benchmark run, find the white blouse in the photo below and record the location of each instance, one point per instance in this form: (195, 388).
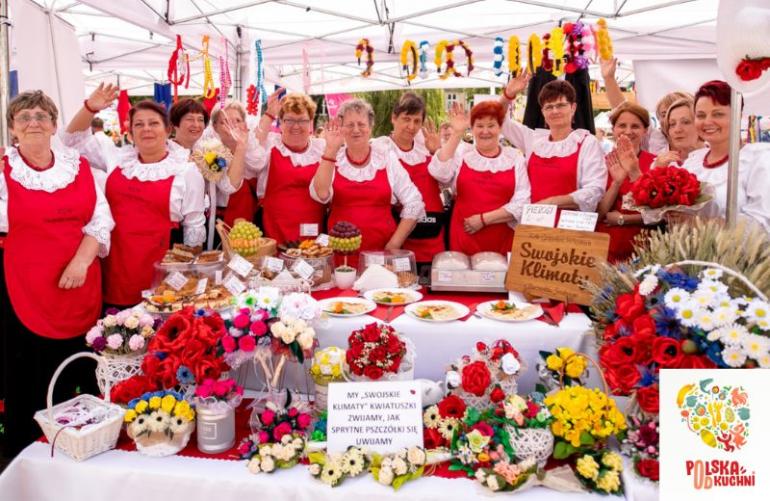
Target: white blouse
(403, 190)
(417, 155)
(312, 155)
(753, 183)
(509, 158)
(186, 202)
(63, 172)
(592, 171)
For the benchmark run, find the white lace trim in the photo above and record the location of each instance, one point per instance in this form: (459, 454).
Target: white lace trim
(101, 233)
(194, 235)
(175, 163)
(63, 172)
(378, 160)
(544, 148)
(506, 160)
(312, 155)
(417, 155)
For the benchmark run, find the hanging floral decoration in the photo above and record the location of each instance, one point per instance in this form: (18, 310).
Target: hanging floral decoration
(225, 80)
(556, 42)
(179, 68)
(603, 40)
(534, 53)
(409, 60)
(514, 56)
(424, 48)
(497, 60)
(578, 44)
(364, 46)
(252, 100)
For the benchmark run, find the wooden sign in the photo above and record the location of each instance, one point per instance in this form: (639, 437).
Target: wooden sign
(554, 263)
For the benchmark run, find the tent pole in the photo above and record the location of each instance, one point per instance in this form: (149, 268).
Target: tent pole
(733, 162)
(63, 112)
(5, 73)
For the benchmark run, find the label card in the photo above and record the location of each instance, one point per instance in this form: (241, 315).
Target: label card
(147, 293)
(176, 280)
(381, 417)
(201, 287)
(576, 220)
(240, 265)
(234, 285)
(375, 259)
(322, 240)
(444, 276)
(218, 277)
(539, 215)
(401, 264)
(308, 229)
(273, 264)
(303, 269)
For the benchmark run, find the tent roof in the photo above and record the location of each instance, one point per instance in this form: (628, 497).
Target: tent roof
(135, 38)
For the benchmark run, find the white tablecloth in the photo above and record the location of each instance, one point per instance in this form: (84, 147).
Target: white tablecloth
(129, 476)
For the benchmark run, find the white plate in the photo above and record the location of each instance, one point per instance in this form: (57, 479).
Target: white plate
(484, 310)
(327, 303)
(411, 295)
(460, 310)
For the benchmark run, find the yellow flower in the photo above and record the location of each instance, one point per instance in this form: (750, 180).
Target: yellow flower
(553, 362)
(609, 481)
(565, 351)
(336, 371)
(209, 157)
(477, 441)
(612, 460)
(154, 403)
(587, 467)
(189, 415)
(129, 416)
(181, 408)
(315, 370)
(483, 457)
(167, 403)
(575, 367)
(141, 406)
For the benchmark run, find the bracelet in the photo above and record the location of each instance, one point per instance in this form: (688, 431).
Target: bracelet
(270, 115)
(483, 223)
(506, 96)
(332, 160)
(88, 108)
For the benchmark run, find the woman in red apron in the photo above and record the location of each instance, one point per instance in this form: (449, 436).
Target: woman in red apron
(57, 223)
(362, 183)
(414, 142)
(292, 159)
(565, 166)
(490, 181)
(151, 189)
(625, 164)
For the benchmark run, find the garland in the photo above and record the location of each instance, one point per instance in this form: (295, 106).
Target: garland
(209, 91)
(178, 68)
(252, 100)
(497, 50)
(424, 48)
(514, 56)
(546, 61)
(578, 42)
(260, 91)
(409, 48)
(447, 47)
(603, 40)
(225, 80)
(535, 53)
(556, 47)
(363, 45)
(468, 56)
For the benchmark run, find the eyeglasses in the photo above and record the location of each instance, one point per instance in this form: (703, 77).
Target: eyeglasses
(291, 122)
(555, 106)
(360, 125)
(41, 118)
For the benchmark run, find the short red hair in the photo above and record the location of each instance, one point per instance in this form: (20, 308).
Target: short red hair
(717, 90)
(488, 109)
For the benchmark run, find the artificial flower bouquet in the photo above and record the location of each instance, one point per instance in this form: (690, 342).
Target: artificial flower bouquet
(641, 445)
(599, 471)
(273, 422)
(441, 421)
(527, 422)
(246, 330)
(264, 457)
(398, 468)
(333, 469)
(212, 158)
(160, 423)
(328, 366)
(486, 376)
(377, 352)
(666, 189)
(505, 476)
(220, 394)
(123, 332)
(562, 367)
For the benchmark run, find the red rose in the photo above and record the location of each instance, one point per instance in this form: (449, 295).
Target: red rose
(666, 352)
(373, 372)
(649, 399)
(395, 345)
(532, 410)
(395, 364)
(629, 306)
(378, 354)
(433, 439)
(371, 333)
(281, 430)
(484, 428)
(476, 378)
(131, 388)
(497, 395)
(747, 70)
(354, 353)
(623, 379)
(247, 343)
(451, 406)
(649, 468)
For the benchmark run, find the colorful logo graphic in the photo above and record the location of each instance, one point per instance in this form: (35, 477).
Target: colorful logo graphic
(719, 415)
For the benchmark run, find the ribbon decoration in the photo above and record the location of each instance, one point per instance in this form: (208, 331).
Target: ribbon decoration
(497, 50)
(225, 80)
(209, 91)
(178, 68)
(252, 100)
(261, 94)
(424, 48)
(363, 45)
(445, 47)
(409, 49)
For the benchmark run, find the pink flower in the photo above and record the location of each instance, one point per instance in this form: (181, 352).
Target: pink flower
(258, 328)
(228, 343)
(244, 448)
(303, 421)
(146, 321)
(293, 412)
(241, 321)
(267, 417)
(260, 315)
(264, 437)
(281, 430)
(247, 343)
(95, 332)
(483, 428)
(136, 342)
(114, 341)
(121, 316)
(222, 388)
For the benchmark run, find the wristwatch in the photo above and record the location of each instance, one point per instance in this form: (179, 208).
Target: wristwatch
(621, 220)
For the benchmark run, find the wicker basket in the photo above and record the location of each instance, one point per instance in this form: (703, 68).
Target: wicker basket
(112, 369)
(534, 443)
(267, 246)
(76, 440)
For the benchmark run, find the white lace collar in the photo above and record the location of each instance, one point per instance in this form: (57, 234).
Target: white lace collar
(417, 155)
(66, 164)
(311, 155)
(506, 160)
(174, 163)
(378, 160)
(545, 148)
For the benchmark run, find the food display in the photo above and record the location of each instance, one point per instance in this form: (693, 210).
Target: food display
(376, 277)
(345, 237)
(508, 312)
(183, 256)
(483, 272)
(305, 249)
(451, 261)
(437, 311)
(245, 238)
(165, 298)
(488, 261)
(322, 269)
(393, 297)
(347, 307)
(400, 262)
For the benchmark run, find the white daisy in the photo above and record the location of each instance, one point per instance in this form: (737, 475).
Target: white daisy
(733, 334)
(712, 286)
(705, 320)
(648, 285)
(764, 361)
(688, 314)
(431, 417)
(331, 473)
(353, 463)
(723, 301)
(447, 428)
(725, 315)
(676, 297)
(158, 421)
(758, 310)
(764, 324)
(734, 356)
(716, 334)
(711, 273)
(755, 346)
(703, 297)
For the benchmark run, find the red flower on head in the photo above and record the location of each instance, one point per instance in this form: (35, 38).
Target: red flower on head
(476, 378)
(451, 406)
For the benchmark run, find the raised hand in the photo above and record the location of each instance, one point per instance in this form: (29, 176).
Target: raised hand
(432, 138)
(614, 167)
(333, 137)
(608, 67)
(274, 102)
(103, 96)
(668, 158)
(628, 157)
(459, 118)
(517, 84)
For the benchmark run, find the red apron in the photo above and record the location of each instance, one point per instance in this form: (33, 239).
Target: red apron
(425, 248)
(46, 231)
(622, 237)
(242, 204)
(479, 192)
(554, 176)
(286, 203)
(366, 205)
(140, 238)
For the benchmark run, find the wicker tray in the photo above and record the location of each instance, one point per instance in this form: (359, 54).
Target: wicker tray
(267, 246)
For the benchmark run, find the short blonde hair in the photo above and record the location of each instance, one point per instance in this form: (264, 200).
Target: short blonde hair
(665, 102)
(28, 100)
(231, 105)
(297, 103)
(633, 108)
(358, 106)
(683, 102)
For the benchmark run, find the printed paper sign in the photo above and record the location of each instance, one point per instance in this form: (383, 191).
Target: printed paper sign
(375, 259)
(234, 285)
(576, 220)
(539, 215)
(274, 264)
(322, 240)
(303, 269)
(176, 280)
(401, 264)
(201, 287)
(240, 265)
(308, 230)
(381, 417)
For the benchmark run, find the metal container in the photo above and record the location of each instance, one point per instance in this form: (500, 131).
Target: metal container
(216, 429)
